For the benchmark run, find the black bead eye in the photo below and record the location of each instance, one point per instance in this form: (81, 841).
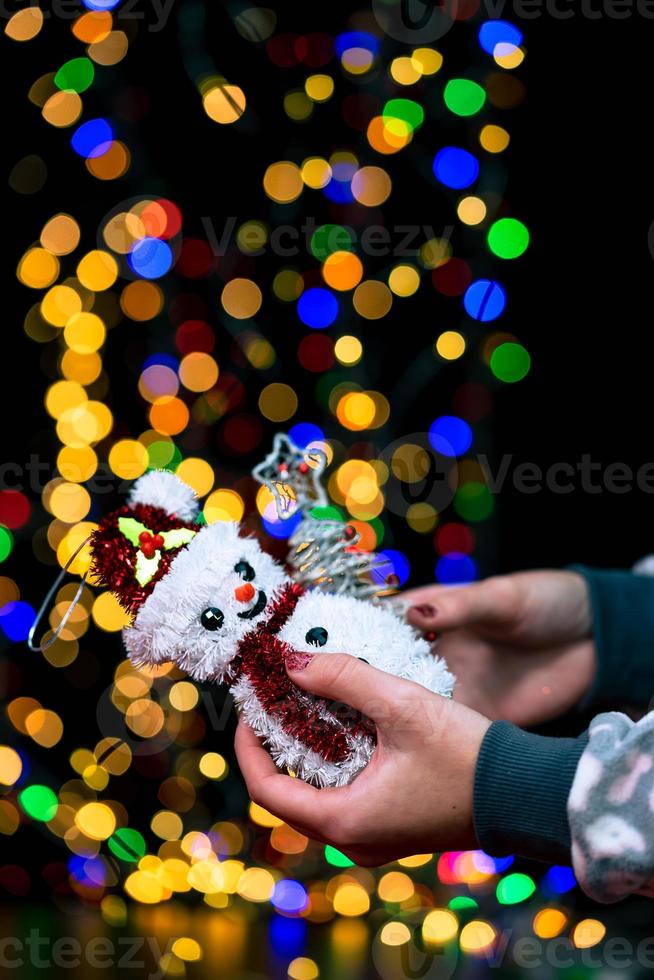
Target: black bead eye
(245, 570)
(212, 618)
(317, 636)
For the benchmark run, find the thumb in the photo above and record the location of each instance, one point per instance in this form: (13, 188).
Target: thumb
(340, 677)
(492, 602)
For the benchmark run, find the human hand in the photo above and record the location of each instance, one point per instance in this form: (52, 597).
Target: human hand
(520, 645)
(414, 796)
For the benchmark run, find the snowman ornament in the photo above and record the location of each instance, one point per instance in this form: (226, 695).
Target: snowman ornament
(209, 599)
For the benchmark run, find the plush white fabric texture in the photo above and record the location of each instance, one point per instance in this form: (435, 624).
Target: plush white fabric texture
(163, 489)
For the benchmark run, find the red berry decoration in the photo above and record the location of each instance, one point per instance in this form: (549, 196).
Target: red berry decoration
(144, 537)
(148, 549)
(158, 542)
(349, 532)
(303, 468)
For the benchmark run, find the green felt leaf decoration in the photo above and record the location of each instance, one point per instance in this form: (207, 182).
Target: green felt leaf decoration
(177, 537)
(131, 528)
(146, 568)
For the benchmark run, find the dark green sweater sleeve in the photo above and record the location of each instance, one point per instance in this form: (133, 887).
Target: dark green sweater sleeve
(623, 623)
(522, 784)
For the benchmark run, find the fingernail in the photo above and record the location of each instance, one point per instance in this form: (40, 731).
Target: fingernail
(426, 610)
(298, 661)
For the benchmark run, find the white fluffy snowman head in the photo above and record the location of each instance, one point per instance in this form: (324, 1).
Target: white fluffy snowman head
(201, 596)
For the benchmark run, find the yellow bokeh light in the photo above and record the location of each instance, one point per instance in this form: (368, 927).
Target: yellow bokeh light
(283, 182)
(45, 727)
(471, 210)
(508, 55)
(388, 136)
(256, 885)
(319, 87)
(10, 765)
(38, 268)
(187, 949)
(435, 253)
(302, 968)
(404, 280)
(406, 71)
(96, 820)
(169, 416)
(85, 368)
(395, 934)
(70, 502)
(494, 139)
(278, 402)
(439, 926)
(348, 350)
(262, 817)
(167, 825)
(588, 932)
(356, 410)
(141, 300)
(108, 614)
(223, 505)
(84, 333)
(184, 696)
(241, 298)
(372, 299)
(342, 270)
(62, 109)
(450, 345)
(395, 887)
(548, 923)
(213, 766)
(198, 371)
(428, 60)
(371, 186)
(77, 465)
(316, 172)
(225, 103)
(145, 887)
(24, 24)
(98, 270)
(60, 235)
(75, 537)
(128, 459)
(351, 899)
(477, 937)
(59, 304)
(198, 474)
(421, 517)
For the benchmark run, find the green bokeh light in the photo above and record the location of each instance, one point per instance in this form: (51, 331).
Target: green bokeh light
(407, 110)
(76, 75)
(38, 802)
(329, 239)
(473, 501)
(515, 888)
(508, 238)
(463, 97)
(510, 362)
(6, 542)
(462, 902)
(127, 844)
(335, 858)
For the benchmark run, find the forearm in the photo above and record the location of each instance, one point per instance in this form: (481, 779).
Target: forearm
(623, 626)
(522, 784)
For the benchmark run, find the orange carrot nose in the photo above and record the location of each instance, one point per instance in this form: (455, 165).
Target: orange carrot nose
(244, 592)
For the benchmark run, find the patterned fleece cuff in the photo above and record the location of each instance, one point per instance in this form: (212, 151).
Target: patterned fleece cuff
(522, 782)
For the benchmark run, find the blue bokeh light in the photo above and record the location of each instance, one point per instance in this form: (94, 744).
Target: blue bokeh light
(455, 569)
(484, 300)
(92, 139)
(392, 563)
(302, 433)
(287, 936)
(455, 168)
(167, 360)
(16, 620)
(150, 258)
(559, 879)
(282, 529)
(317, 308)
(289, 896)
(100, 4)
(495, 32)
(356, 39)
(450, 435)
